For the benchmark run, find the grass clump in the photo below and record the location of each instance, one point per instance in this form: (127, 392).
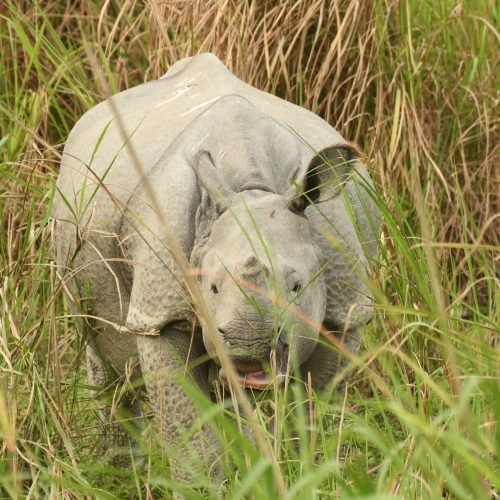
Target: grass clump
(415, 84)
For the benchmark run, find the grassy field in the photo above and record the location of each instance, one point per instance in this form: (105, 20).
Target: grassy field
(416, 85)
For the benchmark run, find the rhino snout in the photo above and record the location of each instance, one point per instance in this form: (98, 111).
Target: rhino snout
(257, 344)
(253, 346)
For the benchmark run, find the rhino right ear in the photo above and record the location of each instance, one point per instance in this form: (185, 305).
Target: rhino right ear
(326, 173)
(217, 188)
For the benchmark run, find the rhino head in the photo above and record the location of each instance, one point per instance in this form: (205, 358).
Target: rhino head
(261, 270)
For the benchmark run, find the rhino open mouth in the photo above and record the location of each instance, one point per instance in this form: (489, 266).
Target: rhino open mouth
(256, 378)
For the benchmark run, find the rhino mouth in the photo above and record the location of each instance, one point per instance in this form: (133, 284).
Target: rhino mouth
(251, 375)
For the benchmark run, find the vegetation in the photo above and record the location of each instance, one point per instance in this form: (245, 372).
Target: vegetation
(415, 83)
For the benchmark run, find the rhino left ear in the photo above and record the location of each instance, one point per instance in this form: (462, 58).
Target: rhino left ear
(215, 185)
(327, 172)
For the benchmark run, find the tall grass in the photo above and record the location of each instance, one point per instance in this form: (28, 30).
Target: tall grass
(416, 85)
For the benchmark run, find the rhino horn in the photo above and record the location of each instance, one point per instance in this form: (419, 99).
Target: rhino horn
(329, 170)
(217, 188)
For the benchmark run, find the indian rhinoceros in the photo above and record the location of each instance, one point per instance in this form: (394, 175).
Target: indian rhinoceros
(265, 199)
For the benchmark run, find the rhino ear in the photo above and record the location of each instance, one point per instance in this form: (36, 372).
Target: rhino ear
(327, 172)
(217, 188)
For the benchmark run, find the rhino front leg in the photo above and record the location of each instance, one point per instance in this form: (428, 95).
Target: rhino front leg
(163, 360)
(99, 376)
(103, 378)
(326, 361)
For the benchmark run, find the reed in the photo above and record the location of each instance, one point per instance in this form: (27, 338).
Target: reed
(415, 84)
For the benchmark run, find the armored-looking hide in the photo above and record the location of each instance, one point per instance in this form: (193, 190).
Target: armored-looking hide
(271, 206)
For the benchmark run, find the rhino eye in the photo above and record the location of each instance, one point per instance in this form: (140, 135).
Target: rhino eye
(213, 288)
(297, 287)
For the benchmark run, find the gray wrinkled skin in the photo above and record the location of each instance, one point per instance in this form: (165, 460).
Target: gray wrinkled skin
(228, 165)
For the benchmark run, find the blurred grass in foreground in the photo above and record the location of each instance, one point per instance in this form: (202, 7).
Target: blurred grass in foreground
(416, 85)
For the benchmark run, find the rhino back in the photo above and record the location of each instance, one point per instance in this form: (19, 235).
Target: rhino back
(153, 114)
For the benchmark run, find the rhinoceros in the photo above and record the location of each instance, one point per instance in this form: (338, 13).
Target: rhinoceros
(272, 208)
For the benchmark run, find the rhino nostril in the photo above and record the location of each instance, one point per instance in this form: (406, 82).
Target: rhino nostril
(226, 342)
(282, 338)
(222, 332)
(282, 351)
